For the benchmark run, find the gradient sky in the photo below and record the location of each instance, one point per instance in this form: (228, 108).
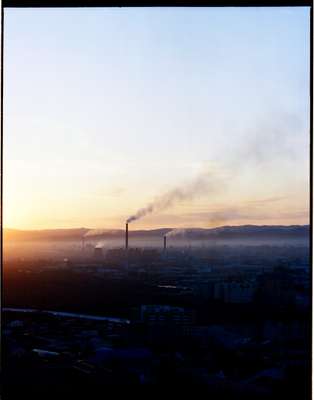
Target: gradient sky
(105, 109)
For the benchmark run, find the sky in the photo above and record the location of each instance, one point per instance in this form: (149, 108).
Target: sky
(108, 109)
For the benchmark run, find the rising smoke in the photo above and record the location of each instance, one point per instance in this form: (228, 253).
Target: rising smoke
(94, 232)
(184, 231)
(100, 232)
(205, 182)
(267, 142)
(100, 244)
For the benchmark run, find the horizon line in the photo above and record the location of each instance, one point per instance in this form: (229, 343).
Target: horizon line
(150, 229)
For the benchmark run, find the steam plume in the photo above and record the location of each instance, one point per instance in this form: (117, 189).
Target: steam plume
(94, 232)
(100, 244)
(185, 231)
(175, 232)
(99, 232)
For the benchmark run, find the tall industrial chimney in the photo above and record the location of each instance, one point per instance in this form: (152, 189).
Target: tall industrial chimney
(126, 236)
(165, 243)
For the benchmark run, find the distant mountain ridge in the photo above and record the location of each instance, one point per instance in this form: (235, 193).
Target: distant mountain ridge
(242, 231)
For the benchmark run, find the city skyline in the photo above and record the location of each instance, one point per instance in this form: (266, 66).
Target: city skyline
(101, 121)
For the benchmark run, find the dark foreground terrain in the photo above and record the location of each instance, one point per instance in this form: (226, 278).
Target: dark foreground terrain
(232, 322)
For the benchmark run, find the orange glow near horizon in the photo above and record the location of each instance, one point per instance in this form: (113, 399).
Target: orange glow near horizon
(110, 125)
(221, 215)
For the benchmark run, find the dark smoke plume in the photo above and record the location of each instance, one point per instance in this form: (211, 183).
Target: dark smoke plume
(203, 183)
(268, 141)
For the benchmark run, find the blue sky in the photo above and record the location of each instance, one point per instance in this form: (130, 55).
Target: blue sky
(105, 109)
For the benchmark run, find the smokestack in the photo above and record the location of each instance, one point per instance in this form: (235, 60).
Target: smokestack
(126, 236)
(165, 243)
